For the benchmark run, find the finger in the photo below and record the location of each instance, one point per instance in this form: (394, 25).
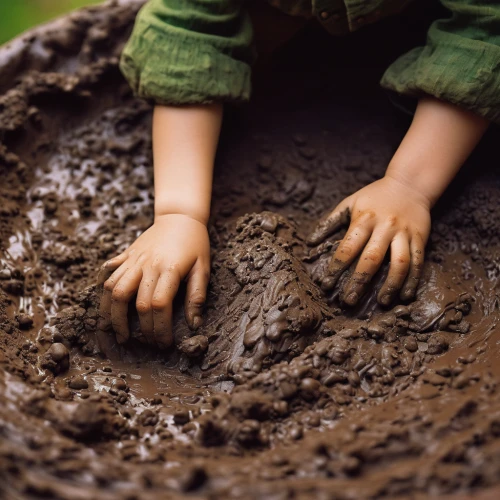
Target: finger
(417, 251)
(347, 251)
(398, 270)
(196, 295)
(163, 297)
(104, 323)
(326, 227)
(369, 263)
(109, 267)
(123, 291)
(143, 304)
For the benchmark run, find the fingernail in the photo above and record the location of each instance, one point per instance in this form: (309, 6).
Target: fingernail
(351, 299)
(312, 239)
(104, 324)
(120, 339)
(197, 322)
(407, 294)
(328, 283)
(385, 300)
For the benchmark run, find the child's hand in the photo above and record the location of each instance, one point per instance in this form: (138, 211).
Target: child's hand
(394, 211)
(173, 248)
(386, 213)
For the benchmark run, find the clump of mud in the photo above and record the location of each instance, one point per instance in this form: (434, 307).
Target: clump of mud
(283, 393)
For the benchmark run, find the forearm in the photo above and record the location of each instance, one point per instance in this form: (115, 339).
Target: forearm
(438, 142)
(184, 146)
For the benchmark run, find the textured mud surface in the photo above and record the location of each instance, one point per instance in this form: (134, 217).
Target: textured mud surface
(283, 393)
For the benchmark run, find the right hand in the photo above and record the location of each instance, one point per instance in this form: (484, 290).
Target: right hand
(174, 248)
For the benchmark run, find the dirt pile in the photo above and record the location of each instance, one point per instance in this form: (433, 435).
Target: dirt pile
(283, 393)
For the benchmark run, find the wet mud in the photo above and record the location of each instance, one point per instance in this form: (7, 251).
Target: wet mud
(283, 393)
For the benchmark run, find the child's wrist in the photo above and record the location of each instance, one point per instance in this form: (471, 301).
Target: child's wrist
(195, 214)
(422, 195)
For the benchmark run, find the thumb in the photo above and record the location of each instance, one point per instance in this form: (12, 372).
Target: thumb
(329, 225)
(109, 267)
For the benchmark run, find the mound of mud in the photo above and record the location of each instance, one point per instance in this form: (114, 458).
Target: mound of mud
(282, 393)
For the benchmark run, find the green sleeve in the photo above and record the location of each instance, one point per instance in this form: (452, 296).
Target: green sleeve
(460, 62)
(190, 52)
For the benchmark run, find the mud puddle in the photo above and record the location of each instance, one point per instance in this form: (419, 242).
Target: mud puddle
(282, 394)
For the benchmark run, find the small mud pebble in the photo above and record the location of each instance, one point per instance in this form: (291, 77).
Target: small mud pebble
(296, 432)
(25, 322)
(194, 347)
(56, 359)
(461, 381)
(119, 384)
(50, 205)
(78, 383)
(148, 418)
(401, 311)
(14, 287)
(181, 417)
(192, 479)
(350, 333)
(434, 379)
(411, 344)
(288, 390)
(309, 388)
(437, 344)
(5, 274)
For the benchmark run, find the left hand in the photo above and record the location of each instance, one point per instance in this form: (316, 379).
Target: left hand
(385, 214)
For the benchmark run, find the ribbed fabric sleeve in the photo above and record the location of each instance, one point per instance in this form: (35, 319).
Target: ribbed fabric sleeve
(460, 62)
(190, 52)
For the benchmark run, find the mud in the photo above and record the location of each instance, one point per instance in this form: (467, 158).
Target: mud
(283, 393)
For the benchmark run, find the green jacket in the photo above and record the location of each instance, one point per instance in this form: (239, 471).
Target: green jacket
(200, 51)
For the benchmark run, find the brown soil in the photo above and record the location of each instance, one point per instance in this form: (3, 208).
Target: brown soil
(284, 393)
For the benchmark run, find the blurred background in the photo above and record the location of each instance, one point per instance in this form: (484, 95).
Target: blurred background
(17, 16)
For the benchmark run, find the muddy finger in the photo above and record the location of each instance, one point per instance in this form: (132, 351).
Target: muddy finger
(349, 248)
(109, 267)
(123, 291)
(163, 297)
(410, 286)
(338, 218)
(106, 298)
(369, 263)
(144, 304)
(398, 270)
(196, 295)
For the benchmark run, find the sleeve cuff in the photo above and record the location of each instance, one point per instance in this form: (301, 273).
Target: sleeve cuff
(176, 69)
(462, 71)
